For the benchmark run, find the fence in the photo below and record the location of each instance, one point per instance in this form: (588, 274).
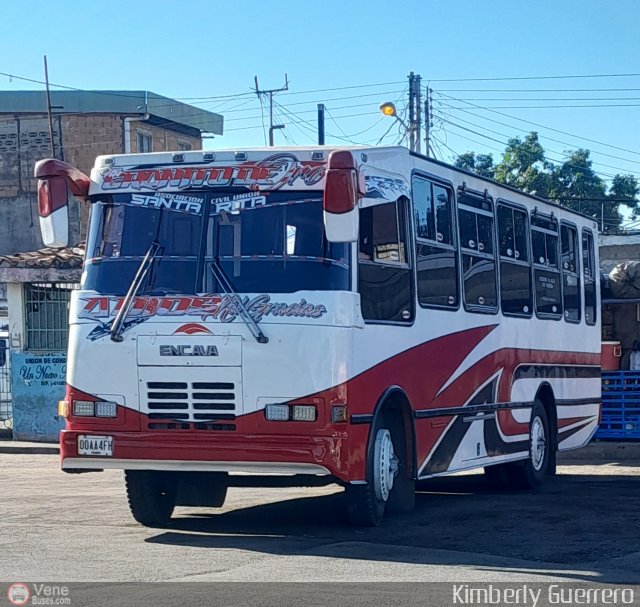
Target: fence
(620, 416)
(6, 410)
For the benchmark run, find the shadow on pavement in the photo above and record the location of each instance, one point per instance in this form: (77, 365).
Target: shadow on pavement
(574, 521)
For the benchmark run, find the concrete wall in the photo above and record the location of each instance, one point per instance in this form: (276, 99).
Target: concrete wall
(37, 378)
(37, 384)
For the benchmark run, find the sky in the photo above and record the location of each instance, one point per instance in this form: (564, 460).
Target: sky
(496, 68)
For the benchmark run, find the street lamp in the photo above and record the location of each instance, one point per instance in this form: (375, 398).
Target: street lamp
(389, 109)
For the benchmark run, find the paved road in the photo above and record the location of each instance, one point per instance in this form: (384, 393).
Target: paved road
(583, 526)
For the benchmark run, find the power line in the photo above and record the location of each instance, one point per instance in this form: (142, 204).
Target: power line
(607, 175)
(544, 127)
(506, 78)
(525, 131)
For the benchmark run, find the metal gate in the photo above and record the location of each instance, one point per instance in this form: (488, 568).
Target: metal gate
(6, 409)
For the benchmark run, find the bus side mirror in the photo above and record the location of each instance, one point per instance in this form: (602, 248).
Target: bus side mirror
(340, 202)
(3, 352)
(57, 180)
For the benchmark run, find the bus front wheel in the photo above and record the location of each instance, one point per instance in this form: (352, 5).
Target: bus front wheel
(386, 485)
(151, 495)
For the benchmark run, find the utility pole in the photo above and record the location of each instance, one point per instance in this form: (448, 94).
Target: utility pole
(51, 133)
(270, 93)
(418, 136)
(415, 112)
(412, 113)
(320, 123)
(427, 123)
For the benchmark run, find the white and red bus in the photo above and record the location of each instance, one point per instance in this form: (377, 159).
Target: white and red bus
(364, 313)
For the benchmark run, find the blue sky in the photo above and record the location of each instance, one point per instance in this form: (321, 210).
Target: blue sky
(213, 50)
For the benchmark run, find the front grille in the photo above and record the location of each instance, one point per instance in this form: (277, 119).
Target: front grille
(203, 404)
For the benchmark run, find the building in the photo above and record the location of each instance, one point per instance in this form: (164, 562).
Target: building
(85, 124)
(38, 288)
(35, 283)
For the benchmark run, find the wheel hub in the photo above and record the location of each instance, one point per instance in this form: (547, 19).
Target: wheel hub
(385, 465)
(538, 444)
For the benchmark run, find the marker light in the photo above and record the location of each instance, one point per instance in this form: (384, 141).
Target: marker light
(304, 413)
(83, 408)
(63, 408)
(339, 414)
(106, 409)
(277, 413)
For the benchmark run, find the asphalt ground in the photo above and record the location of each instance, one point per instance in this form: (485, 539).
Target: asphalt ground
(582, 526)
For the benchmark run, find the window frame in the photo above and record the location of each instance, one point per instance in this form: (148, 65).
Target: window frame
(142, 133)
(572, 226)
(59, 306)
(483, 197)
(513, 206)
(454, 247)
(407, 265)
(587, 232)
(551, 217)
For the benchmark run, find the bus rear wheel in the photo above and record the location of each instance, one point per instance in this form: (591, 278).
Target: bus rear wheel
(151, 495)
(529, 473)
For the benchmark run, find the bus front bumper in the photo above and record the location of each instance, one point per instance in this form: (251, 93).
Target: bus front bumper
(278, 454)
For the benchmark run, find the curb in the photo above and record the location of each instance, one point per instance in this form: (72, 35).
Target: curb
(12, 447)
(602, 452)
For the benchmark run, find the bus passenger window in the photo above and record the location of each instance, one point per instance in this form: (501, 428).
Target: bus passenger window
(384, 274)
(435, 254)
(589, 274)
(475, 218)
(570, 273)
(515, 270)
(546, 271)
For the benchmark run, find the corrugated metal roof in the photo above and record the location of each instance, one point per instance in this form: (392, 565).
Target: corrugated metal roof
(112, 102)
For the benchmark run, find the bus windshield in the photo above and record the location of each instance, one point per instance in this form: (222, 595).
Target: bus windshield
(265, 243)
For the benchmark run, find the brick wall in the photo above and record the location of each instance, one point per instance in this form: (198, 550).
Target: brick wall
(163, 139)
(25, 139)
(89, 135)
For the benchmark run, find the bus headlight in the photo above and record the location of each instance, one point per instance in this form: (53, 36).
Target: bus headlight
(106, 409)
(83, 408)
(304, 413)
(277, 413)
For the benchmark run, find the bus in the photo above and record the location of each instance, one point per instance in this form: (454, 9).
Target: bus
(365, 314)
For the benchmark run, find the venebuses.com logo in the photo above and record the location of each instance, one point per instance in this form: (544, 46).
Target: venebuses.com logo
(38, 594)
(18, 594)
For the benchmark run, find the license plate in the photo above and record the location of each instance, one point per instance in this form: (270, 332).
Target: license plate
(95, 445)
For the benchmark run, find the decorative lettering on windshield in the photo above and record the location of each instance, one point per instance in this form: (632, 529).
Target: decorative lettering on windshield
(237, 203)
(271, 173)
(174, 202)
(208, 306)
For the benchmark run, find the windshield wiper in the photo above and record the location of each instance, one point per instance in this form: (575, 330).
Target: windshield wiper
(127, 302)
(229, 289)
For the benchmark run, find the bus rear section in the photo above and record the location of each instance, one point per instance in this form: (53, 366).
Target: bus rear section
(297, 312)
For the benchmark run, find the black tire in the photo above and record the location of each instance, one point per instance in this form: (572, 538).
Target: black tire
(531, 473)
(151, 495)
(403, 495)
(365, 508)
(202, 489)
